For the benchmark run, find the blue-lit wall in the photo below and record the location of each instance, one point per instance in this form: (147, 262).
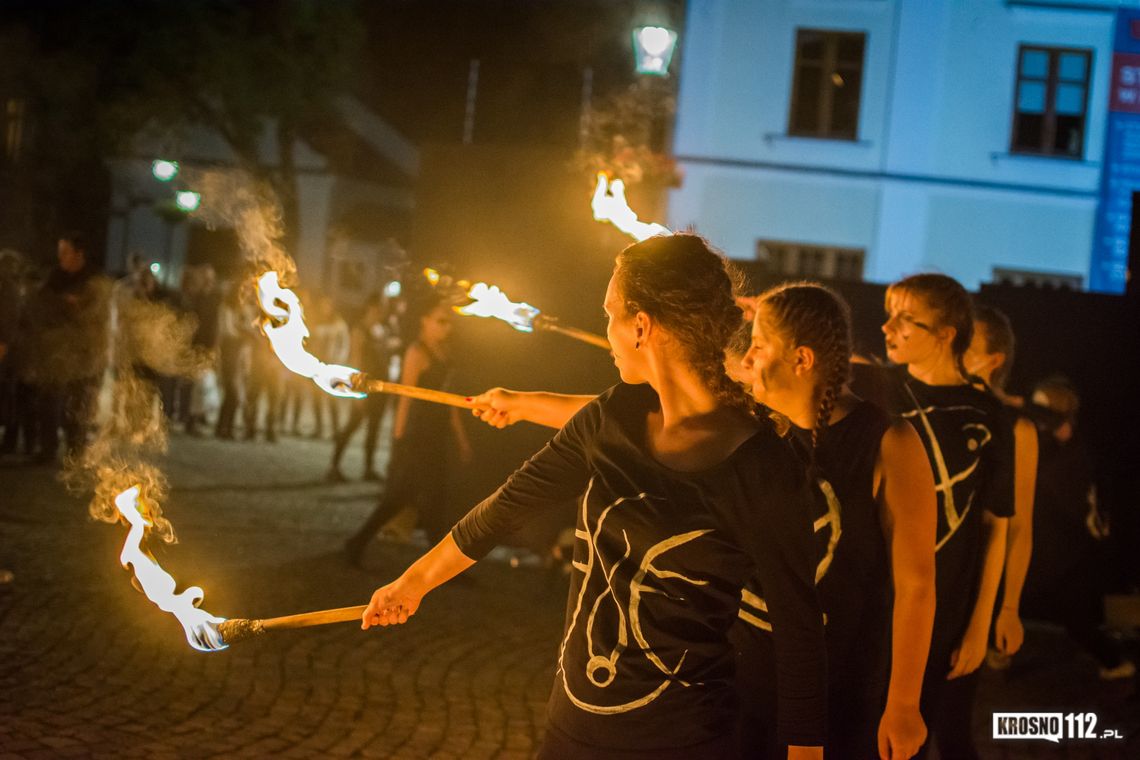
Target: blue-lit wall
(930, 183)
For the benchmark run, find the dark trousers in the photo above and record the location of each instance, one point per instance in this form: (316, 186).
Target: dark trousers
(70, 406)
(370, 410)
(229, 375)
(19, 404)
(407, 486)
(324, 404)
(264, 381)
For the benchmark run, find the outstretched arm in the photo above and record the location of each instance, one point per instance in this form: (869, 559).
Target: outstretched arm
(1008, 631)
(395, 603)
(905, 491)
(500, 407)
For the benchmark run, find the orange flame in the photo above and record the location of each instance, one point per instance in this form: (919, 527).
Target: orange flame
(612, 207)
(489, 301)
(286, 330)
(201, 627)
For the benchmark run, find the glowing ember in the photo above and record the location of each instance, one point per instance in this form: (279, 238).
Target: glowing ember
(612, 207)
(489, 301)
(286, 330)
(200, 626)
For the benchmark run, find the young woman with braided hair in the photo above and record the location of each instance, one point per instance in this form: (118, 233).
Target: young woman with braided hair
(874, 530)
(686, 495)
(969, 446)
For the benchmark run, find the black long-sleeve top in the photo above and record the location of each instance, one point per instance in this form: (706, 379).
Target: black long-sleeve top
(660, 559)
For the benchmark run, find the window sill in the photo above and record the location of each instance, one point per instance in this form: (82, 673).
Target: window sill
(770, 137)
(999, 156)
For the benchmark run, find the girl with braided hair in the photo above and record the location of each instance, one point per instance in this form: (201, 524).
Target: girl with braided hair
(969, 446)
(684, 494)
(874, 529)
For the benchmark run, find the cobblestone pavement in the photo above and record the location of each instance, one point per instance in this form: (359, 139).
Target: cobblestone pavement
(89, 668)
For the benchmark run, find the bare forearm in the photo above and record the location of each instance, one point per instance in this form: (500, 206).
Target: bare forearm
(1019, 546)
(443, 562)
(912, 622)
(992, 565)
(1019, 543)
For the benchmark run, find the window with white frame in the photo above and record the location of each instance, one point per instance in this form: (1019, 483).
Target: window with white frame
(828, 262)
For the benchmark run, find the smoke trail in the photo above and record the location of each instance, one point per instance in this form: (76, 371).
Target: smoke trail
(233, 199)
(150, 339)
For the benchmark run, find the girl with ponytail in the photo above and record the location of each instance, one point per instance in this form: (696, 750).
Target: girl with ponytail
(683, 495)
(969, 446)
(875, 530)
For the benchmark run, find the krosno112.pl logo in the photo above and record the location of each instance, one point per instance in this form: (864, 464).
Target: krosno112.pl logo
(1051, 727)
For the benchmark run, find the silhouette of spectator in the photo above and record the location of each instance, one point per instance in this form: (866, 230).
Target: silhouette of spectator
(1065, 584)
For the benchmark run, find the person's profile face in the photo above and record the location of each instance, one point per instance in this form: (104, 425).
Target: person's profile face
(909, 332)
(768, 360)
(70, 258)
(622, 333)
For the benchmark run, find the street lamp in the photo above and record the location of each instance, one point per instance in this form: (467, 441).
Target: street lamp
(653, 49)
(164, 170)
(187, 200)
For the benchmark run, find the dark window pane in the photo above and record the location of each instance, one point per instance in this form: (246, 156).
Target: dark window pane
(810, 45)
(1034, 63)
(845, 108)
(828, 84)
(1069, 140)
(1028, 132)
(1072, 67)
(805, 117)
(849, 49)
(1031, 97)
(1070, 99)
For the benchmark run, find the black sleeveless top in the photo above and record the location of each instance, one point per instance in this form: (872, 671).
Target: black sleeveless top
(428, 423)
(852, 562)
(969, 442)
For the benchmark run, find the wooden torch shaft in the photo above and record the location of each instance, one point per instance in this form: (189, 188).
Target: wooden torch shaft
(369, 385)
(573, 332)
(320, 617)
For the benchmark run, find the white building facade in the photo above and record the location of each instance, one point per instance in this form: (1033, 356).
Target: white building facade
(877, 138)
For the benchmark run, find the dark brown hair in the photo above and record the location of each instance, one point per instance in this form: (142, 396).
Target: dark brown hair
(949, 300)
(999, 339)
(809, 314)
(687, 288)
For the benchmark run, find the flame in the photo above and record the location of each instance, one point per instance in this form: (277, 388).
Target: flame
(432, 276)
(200, 626)
(489, 301)
(286, 330)
(612, 207)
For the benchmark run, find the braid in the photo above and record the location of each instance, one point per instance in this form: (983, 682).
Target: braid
(811, 315)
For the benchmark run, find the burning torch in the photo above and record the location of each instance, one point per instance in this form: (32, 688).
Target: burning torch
(609, 205)
(490, 301)
(284, 326)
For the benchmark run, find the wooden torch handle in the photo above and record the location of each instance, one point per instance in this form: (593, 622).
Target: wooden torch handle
(366, 384)
(320, 617)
